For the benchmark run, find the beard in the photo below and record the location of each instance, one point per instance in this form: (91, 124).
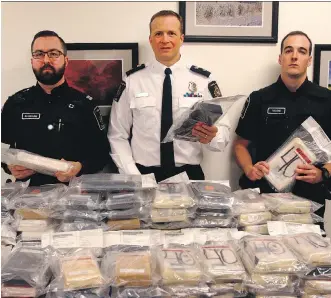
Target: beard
(51, 77)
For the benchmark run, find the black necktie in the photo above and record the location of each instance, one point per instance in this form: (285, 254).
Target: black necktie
(167, 149)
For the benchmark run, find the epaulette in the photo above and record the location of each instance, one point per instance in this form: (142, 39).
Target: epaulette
(21, 95)
(200, 71)
(135, 69)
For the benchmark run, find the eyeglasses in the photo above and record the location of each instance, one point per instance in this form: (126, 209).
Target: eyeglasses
(52, 54)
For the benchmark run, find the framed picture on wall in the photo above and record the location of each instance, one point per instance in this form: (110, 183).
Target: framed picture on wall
(322, 65)
(98, 68)
(237, 21)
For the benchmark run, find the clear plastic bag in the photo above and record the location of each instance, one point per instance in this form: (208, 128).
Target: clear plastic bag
(272, 283)
(77, 269)
(129, 200)
(308, 144)
(317, 287)
(140, 213)
(74, 199)
(38, 163)
(124, 224)
(267, 254)
(311, 248)
(8, 234)
(83, 293)
(33, 225)
(170, 225)
(308, 218)
(180, 264)
(71, 215)
(229, 290)
(257, 218)
(210, 188)
(113, 183)
(214, 222)
(289, 203)
(141, 292)
(170, 215)
(38, 197)
(222, 263)
(28, 266)
(11, 190)
(185, 291)
(202, 112)
(130, 266)
(173, 195)
(258, 229)
(248, 201)
(81, 225)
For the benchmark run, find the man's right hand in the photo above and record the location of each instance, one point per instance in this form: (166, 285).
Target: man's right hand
(20, 172)
(257, 171)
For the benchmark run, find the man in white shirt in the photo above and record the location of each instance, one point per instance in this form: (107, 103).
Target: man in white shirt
(141, 104)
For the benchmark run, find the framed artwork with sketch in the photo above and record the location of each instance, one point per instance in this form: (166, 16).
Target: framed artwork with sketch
(237, 21)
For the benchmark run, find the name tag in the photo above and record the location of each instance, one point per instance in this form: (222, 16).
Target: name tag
(138, 95)
(30, 116)
(276, 111)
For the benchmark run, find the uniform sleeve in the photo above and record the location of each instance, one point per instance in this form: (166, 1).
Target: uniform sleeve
(7, 128)
(222, 137)
(119, 132)
(96, 148)
(248, 125)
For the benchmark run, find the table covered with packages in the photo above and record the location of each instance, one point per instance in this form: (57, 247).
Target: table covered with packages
(115, 235)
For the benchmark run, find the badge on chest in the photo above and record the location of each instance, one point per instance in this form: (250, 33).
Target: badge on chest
(30, 116)
(276, 111)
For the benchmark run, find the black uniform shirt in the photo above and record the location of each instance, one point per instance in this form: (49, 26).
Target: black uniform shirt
(271, 115)
(64, 124)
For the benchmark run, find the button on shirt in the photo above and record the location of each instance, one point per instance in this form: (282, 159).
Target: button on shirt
(140, 107)
(63, 124)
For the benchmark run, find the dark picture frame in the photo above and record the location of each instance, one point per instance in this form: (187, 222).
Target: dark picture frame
(322, 65)
(98, 68)
(267, 32)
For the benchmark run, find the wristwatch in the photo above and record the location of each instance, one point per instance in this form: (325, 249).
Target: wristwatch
(325, 174)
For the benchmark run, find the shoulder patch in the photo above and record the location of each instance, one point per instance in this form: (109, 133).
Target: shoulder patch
(214, 90)
(119, 91)
(200, 71)
(245, 108)
(135, 69)
(98, 117)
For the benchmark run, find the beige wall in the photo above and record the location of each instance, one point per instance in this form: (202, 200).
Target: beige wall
(239, 68)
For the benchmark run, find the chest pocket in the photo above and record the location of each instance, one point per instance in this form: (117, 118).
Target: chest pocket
(144, 112)
(184, 104)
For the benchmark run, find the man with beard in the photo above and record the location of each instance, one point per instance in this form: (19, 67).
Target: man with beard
(52, 119)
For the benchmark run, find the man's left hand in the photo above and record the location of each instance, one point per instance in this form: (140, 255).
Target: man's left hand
(66, 176)
(204, 132)
(308, 173)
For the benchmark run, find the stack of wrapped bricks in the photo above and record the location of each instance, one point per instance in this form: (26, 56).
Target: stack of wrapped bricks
(112, 235)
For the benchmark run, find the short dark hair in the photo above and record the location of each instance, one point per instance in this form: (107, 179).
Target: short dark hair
(48, 33)
(166, 13)
(292, 33)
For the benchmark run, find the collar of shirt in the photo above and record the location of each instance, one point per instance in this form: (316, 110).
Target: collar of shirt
(159, 68)
(301, 90)
(58, 91)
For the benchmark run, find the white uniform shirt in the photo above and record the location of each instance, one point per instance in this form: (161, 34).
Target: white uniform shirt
(140, 107)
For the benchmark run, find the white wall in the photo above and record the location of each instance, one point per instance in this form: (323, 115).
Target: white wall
(239, 68)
